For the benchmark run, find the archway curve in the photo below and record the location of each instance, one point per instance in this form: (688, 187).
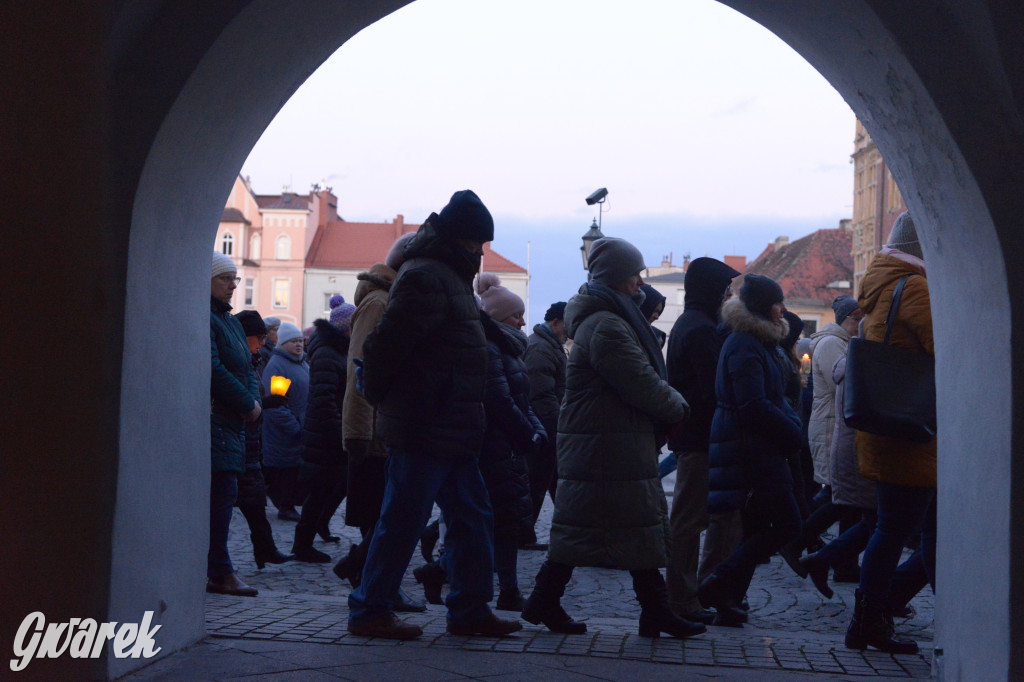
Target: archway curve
(897, 91)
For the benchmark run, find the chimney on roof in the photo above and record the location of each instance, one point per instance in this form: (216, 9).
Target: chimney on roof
(666, 261)
(399, 224)
(846, 224)
(686, 261)
(781, 241)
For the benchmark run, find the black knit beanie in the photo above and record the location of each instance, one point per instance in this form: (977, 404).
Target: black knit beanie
(760, 293)
(252, 323)
(465, 217)
(555, 312)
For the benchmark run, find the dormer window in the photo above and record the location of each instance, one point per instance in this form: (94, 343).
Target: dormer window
(227, 244)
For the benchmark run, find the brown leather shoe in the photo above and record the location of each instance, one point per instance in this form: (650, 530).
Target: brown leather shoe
(489, 626)
(230, 584)
(386, 626)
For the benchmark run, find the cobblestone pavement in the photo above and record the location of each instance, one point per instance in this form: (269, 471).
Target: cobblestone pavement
(792, 627)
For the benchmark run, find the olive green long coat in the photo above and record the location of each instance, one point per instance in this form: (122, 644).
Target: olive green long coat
(610, 506)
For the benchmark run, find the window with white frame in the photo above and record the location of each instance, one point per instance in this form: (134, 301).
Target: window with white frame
(255, 245)
(282, 291)
(250, 291)
(283, 248)
(227, 244)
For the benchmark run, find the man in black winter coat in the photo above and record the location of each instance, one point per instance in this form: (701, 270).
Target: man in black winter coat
(693, 349)
(424, 368)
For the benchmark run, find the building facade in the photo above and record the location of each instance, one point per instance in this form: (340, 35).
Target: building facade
(294, 252)
(877, 201)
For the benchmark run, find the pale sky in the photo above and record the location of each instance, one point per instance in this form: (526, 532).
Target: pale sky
(711, 134)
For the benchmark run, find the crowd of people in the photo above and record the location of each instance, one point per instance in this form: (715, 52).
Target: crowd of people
(426, 391)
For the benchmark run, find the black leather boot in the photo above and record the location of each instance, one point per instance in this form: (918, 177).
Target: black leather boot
(817, 568)
(544, 604)
(431, 534)
(716, 593)
(656, 616)
(873, 626)
(432, 576)
(303, 548)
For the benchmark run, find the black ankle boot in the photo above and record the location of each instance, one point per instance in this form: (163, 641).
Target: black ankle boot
(656, 616)
(817, 569)
(510, 600)
(351, 567)
(872, 626)
(431, 534)
(432, 577)
(303, 548)
(715, 593)
(544, 605)
(274, 557)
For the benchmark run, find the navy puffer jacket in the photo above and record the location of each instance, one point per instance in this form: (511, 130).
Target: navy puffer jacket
(321, 429)
(754, 429)
(511, 425)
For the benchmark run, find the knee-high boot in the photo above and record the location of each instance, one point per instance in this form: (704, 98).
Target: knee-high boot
(544, 605)
(656, 616)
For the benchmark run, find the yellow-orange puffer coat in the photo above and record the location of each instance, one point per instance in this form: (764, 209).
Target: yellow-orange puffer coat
(893, 460)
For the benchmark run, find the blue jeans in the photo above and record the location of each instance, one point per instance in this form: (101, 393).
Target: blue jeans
(223, 491)
(845, 549)
(901, 511)
(414, 482)
(667, 465)
(770, 520)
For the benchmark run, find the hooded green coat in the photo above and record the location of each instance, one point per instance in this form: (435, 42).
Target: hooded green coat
(610, 507)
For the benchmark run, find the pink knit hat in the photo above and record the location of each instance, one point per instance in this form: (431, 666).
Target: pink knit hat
(496, 300)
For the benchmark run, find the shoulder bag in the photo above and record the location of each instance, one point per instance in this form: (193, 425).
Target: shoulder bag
(890, 391)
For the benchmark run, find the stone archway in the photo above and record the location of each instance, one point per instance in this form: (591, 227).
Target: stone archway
(162, 102)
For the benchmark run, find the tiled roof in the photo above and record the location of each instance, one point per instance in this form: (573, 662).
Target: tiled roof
(343, 245)
(672, 277)
(233, 215)
(292, 202)
(803, 267)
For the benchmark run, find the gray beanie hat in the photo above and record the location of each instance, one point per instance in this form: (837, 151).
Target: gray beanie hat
(843, 306)
(904, 236)
(272, 322)
(396, 255)
(612, 260)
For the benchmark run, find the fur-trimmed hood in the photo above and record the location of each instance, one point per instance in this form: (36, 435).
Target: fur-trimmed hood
(379, 276)
(327, 334)
(739, 318)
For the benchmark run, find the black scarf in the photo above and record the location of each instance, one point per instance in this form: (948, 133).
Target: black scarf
(627, 308)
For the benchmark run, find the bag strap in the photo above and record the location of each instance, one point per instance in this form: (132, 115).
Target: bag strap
(890, 319)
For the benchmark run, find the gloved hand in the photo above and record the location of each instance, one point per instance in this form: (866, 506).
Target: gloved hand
(358, 449)
(272, 401)
(358, 362)
(540, 439)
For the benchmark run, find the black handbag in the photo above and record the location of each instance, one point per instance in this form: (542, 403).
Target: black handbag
(890, 391)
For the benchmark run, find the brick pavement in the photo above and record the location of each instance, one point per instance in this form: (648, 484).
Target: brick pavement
(792, 628)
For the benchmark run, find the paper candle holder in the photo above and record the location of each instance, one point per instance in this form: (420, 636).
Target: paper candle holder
(279, 385)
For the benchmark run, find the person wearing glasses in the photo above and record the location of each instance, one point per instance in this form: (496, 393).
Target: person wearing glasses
(234, 400)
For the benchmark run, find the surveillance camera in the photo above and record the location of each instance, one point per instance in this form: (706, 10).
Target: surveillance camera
(597, 197)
